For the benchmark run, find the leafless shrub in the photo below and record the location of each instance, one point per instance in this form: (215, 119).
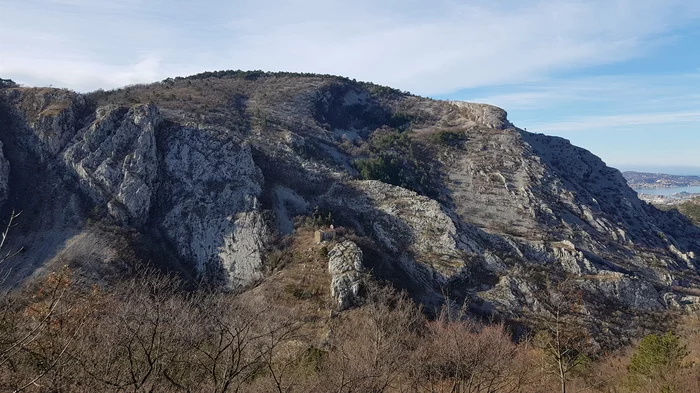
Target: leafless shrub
(149, 334)
(463, 356)
(371, 354)
(37, 331)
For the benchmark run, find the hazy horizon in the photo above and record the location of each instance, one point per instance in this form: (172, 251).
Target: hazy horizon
(679, 171)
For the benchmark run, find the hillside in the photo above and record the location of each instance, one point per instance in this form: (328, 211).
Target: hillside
(689, 208)
(208, 175)
(639, 180)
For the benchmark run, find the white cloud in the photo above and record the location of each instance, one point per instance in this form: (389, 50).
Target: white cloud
(617, 121)
(467, 45)
(84, 75)
(428, 47)
(655, 92)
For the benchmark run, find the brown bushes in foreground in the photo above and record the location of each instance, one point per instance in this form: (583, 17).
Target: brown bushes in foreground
(144, 335)
(460, 356)
(148, 335)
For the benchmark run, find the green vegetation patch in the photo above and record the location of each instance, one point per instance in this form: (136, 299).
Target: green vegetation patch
(394, 158)
(691, 209)
(449, 138)
(7, 83)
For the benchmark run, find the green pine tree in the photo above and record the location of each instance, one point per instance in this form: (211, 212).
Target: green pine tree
(657, 358)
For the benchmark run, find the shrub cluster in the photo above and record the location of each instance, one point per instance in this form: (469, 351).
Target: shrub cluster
(149, 334)
(449, 138)
(395, 158)
(7, 83)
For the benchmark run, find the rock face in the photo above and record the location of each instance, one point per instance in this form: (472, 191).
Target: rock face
(50, 118)
(209, 168)
(196, 186)
(116, 160)
(210, 207)
(483, 114)
(346, 269)
(4, 176)
(415, 230)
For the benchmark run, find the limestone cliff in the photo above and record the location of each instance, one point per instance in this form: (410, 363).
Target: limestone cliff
(210, 168)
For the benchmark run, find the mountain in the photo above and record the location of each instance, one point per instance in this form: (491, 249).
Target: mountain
(639, 180)
(207, 175)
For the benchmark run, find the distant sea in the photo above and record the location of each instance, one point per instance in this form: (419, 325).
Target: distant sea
(668, 191)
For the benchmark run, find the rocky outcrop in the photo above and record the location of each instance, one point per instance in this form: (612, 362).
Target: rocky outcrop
(205, 181)
(210, 208)
(50, 118)
(116, 160)
(197, 185)
(346, 269)
(483, 114)
(414, 228)
(616, 288)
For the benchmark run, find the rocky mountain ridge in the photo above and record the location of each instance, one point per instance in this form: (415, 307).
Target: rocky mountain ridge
(640, 180)
(456, 204)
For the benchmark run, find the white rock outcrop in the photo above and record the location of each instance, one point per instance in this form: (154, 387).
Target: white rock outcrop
(210, 194)
(484, 114)
(116, 160)
(404, 223)
(346, 269)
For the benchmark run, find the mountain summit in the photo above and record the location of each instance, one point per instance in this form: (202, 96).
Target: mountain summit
(450, 200)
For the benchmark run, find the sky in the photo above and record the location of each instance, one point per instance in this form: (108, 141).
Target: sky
(620, 78)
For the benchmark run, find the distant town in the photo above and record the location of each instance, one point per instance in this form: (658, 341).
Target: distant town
(663, 189)
(643, 180)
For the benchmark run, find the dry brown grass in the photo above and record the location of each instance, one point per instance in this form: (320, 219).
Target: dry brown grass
(37, 103)
(54, 109)
(301, 287)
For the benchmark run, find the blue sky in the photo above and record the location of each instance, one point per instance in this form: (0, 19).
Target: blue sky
(618, 77)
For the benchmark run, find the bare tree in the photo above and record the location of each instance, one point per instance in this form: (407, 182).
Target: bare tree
(10, 224)
(565, 343)
(4, 256)
(41, 331)
(142, 322)
(459, 355)
(228, 343)
(372, 353)
(29, 327)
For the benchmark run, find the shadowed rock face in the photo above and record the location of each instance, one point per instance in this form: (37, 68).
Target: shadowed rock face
(199, 165)
(4, 176)
(194, 185)
(209, 204)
